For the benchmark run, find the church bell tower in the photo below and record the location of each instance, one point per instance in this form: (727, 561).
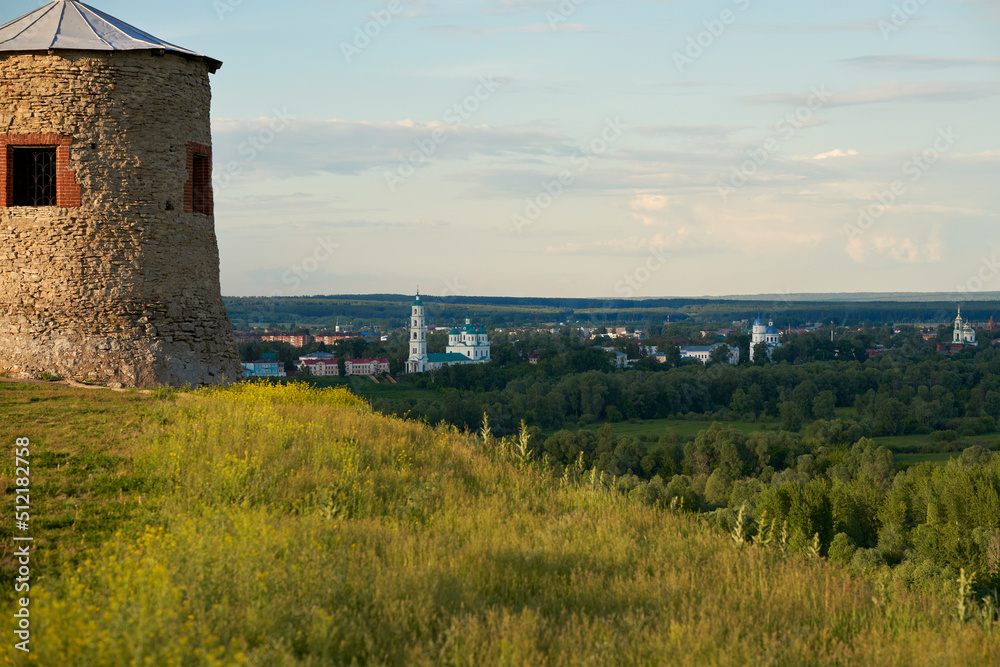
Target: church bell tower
(417, 363)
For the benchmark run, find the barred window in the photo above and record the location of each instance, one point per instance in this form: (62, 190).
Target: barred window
(33, 175)
(202, 184)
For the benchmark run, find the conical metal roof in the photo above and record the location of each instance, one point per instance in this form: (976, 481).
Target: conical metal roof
(74, 26)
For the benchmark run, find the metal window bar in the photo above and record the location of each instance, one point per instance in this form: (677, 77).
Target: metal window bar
(34, 176)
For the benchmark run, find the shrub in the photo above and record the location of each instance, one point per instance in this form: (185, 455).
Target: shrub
(945, 436)
(867, 561)
(842, 549)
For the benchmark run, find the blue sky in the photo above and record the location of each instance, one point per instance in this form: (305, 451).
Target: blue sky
(595, 148)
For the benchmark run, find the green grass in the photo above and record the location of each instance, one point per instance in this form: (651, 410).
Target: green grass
(293, 527)
(363, 386)
(939, 458)
(82, 487)
(683, 427)
(925, 443)
(396, 392)
(907, 448)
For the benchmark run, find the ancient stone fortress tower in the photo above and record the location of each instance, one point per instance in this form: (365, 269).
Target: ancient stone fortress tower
(109, 265)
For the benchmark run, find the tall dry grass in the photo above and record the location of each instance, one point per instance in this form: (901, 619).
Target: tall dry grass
(298, 528)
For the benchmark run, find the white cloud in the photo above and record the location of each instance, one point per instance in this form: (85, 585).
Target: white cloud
(504, 30)
(901, 250)
(337, 146)
(834, 153)
(981, 156)
(774, 233)
(631, 245)
(645, 203)
(919, 62)
(829, 26)
(895, 91)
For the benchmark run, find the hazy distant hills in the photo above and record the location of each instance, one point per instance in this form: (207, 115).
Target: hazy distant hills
(390, 311)
(860, 297)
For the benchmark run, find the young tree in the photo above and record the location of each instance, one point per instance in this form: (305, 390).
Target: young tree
(719, 355)
(824, 405)
(760, 354)
(741, 403)
(791, 416)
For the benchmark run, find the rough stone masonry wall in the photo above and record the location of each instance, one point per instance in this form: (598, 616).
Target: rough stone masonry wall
(118, 284)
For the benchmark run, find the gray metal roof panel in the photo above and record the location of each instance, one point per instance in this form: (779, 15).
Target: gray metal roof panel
(74, 26)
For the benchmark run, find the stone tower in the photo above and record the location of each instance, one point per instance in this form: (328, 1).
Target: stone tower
(109, 265)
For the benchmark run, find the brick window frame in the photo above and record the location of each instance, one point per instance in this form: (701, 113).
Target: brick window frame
(199, 180)
(69, 194)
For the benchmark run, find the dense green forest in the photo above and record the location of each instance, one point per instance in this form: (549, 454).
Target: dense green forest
(920, 527)
(910, 389)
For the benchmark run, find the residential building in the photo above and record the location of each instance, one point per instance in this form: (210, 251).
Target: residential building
(332, 339)
(318, 355)
(320, 364)
(295, 340)
(704, 352)
(619, 359)
(366, 366)
(267, 367)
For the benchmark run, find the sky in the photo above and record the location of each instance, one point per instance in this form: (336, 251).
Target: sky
(593, 148)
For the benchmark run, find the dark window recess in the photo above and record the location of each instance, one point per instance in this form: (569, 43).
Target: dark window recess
(34, 176)
(202, 184)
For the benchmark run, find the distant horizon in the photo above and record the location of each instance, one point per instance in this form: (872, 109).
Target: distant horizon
(798, 296)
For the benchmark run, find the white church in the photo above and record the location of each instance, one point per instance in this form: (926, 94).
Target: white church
(964, 334)
(466, 346)
(768, 335)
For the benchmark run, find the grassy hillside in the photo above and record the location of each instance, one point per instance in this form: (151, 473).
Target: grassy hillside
(286, 526)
